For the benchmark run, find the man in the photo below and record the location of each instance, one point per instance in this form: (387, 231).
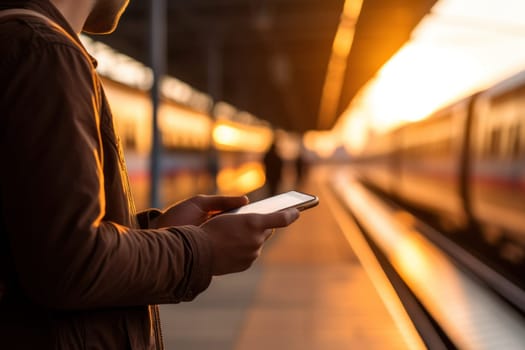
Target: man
(78, 268)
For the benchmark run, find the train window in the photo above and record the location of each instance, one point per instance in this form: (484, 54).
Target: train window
(494, 142)
(515, 141)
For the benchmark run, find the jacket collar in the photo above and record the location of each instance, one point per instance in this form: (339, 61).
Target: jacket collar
(49, 10)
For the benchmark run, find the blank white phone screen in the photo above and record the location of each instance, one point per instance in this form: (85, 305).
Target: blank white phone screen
(275, 203)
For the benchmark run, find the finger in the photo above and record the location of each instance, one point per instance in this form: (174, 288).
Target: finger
(220, 203)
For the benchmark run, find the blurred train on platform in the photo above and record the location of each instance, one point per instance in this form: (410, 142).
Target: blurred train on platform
(199, 153)
(464, 166)
(206, 146)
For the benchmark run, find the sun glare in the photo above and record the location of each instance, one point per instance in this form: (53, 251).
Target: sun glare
(415, 82)
(462, 46)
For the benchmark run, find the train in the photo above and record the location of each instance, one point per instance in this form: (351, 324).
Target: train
(464, 167)
(201, 152)
(206, 146)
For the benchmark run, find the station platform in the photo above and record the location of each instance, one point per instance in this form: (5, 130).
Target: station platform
(308, 290)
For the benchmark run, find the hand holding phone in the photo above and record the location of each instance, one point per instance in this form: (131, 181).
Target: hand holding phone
(235, 249)
(290, 199)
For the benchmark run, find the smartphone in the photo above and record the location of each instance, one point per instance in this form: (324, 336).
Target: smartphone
(290, 199)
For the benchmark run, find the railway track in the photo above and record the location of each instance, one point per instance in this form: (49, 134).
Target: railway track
(453, 299)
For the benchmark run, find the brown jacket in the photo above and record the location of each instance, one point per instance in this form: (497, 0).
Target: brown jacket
(78, 268)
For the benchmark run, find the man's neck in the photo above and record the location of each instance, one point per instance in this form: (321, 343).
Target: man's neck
(74, 11)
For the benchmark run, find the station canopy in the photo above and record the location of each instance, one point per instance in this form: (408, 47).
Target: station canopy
(294, 63)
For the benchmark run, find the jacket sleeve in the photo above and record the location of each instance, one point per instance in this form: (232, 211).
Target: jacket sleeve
(52, 193)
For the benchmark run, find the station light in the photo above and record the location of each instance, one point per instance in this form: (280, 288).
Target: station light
(224, 110)
(178, 91)
(117, 66)
(232, 136)
(246, 178)
(322, 143)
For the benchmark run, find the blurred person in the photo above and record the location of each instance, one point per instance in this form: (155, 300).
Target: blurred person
(301, 166)
(79, 269)
(300, 170)
(273, 167)
(213, 168)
